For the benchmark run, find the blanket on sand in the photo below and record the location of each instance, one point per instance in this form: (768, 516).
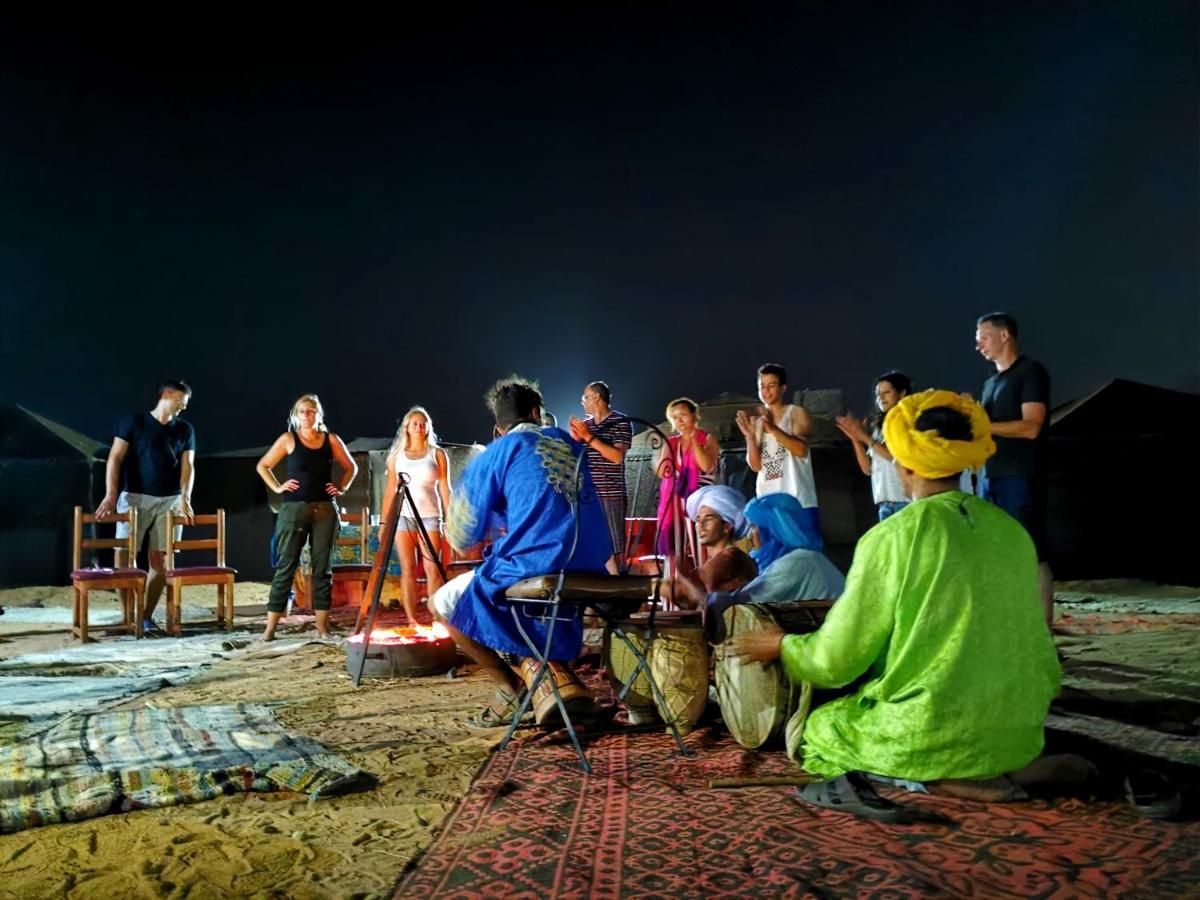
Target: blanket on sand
(91, 764)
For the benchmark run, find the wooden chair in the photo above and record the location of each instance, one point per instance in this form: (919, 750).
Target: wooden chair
(129, 582)
(220, 574)
(360, 572)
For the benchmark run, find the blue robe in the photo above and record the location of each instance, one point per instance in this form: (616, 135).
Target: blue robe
(521, 483)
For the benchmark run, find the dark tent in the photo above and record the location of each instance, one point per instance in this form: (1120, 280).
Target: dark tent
(46, 469)
(1107, 516)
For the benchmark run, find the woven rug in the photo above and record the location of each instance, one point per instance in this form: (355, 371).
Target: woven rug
(646, 823)
(88, 765)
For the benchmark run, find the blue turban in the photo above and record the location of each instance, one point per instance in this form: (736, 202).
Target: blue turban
(783, 525)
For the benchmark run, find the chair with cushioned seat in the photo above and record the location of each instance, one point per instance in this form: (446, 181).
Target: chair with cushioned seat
(219, 574)
(129, 581)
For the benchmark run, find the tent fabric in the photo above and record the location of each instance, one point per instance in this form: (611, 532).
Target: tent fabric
(26, 435)
(46, 469)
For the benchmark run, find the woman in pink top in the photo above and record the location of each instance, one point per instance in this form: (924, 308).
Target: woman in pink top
(688, 462)
(416, 453)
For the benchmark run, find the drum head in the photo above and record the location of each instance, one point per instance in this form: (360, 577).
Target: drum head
(754, 697)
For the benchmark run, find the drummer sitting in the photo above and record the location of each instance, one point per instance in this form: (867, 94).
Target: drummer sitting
(790, 563)
(523, 481)
(717, 511)
(941, 608)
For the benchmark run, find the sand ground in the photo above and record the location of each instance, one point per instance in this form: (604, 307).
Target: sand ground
(408, 733)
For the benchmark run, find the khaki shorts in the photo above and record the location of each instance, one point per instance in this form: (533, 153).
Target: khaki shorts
(446, 598)
(151, 517)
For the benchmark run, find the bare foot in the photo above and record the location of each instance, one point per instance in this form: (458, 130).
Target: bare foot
(265, 637)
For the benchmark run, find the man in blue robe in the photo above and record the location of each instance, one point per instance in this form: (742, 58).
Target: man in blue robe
(522, 491)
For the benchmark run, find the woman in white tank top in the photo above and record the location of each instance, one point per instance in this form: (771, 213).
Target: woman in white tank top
(416, 453)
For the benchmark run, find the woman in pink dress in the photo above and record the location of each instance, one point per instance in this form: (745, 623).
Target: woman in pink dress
(688, 463)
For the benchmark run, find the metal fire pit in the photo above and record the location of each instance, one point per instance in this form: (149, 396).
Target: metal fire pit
(394, 659)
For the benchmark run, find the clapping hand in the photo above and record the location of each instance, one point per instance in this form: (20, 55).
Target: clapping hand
(852, 428)
(579, 430)
(768, 418)
(745, 424)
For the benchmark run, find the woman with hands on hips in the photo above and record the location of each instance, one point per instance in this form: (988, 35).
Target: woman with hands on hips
(308, 511)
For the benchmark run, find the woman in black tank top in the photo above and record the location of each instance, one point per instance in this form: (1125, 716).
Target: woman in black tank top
(311, 468)
(308, 511)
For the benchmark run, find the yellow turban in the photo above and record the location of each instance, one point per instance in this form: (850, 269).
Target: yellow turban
(928, 453)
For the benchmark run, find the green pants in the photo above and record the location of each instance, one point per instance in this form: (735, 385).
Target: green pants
(318, 524)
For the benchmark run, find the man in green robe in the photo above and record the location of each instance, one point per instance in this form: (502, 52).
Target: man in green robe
(941, 612)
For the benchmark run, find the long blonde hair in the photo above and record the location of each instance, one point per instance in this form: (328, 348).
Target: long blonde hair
(401, 440)
(294, 415)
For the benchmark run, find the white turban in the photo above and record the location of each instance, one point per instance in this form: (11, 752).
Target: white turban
(725, 501)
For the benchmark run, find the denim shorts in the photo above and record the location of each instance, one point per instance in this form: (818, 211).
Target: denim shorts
(431, 523)
(890, 508)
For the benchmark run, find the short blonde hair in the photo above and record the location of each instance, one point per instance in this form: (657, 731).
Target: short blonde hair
(294, 415)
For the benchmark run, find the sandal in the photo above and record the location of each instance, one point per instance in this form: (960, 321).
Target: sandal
(1151, 795)
(849, 794)
(491, 716)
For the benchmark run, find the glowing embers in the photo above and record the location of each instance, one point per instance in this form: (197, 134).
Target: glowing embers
(403, 651)
(404, 634)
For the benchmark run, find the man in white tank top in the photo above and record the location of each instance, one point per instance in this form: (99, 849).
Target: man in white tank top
(777, 440)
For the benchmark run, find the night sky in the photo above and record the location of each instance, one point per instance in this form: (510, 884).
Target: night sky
(400, 213)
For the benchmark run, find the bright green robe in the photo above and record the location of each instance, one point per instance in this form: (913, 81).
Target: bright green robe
(941, 607)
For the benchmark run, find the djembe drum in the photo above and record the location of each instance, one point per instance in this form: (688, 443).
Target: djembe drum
(756, 698)
(678, 659)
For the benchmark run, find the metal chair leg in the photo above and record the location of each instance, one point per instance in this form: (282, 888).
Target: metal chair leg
(526, 699)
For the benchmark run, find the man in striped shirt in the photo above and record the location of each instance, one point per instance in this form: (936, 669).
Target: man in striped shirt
(608, 435)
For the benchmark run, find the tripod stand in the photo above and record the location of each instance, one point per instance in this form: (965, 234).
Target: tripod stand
(401, 500)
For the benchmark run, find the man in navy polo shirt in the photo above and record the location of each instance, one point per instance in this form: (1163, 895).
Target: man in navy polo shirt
(151, 468)
(1017, 400)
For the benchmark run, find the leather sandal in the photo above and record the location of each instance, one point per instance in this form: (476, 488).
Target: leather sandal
(498, 713)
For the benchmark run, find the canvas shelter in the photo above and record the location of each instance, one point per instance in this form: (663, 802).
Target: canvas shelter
(46, 470)
(1122, 494)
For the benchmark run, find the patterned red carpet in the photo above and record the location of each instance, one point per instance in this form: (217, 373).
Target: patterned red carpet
(646, 823)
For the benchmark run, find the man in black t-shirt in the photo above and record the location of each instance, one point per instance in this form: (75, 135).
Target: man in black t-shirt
(1017, 400)
(151, 468)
